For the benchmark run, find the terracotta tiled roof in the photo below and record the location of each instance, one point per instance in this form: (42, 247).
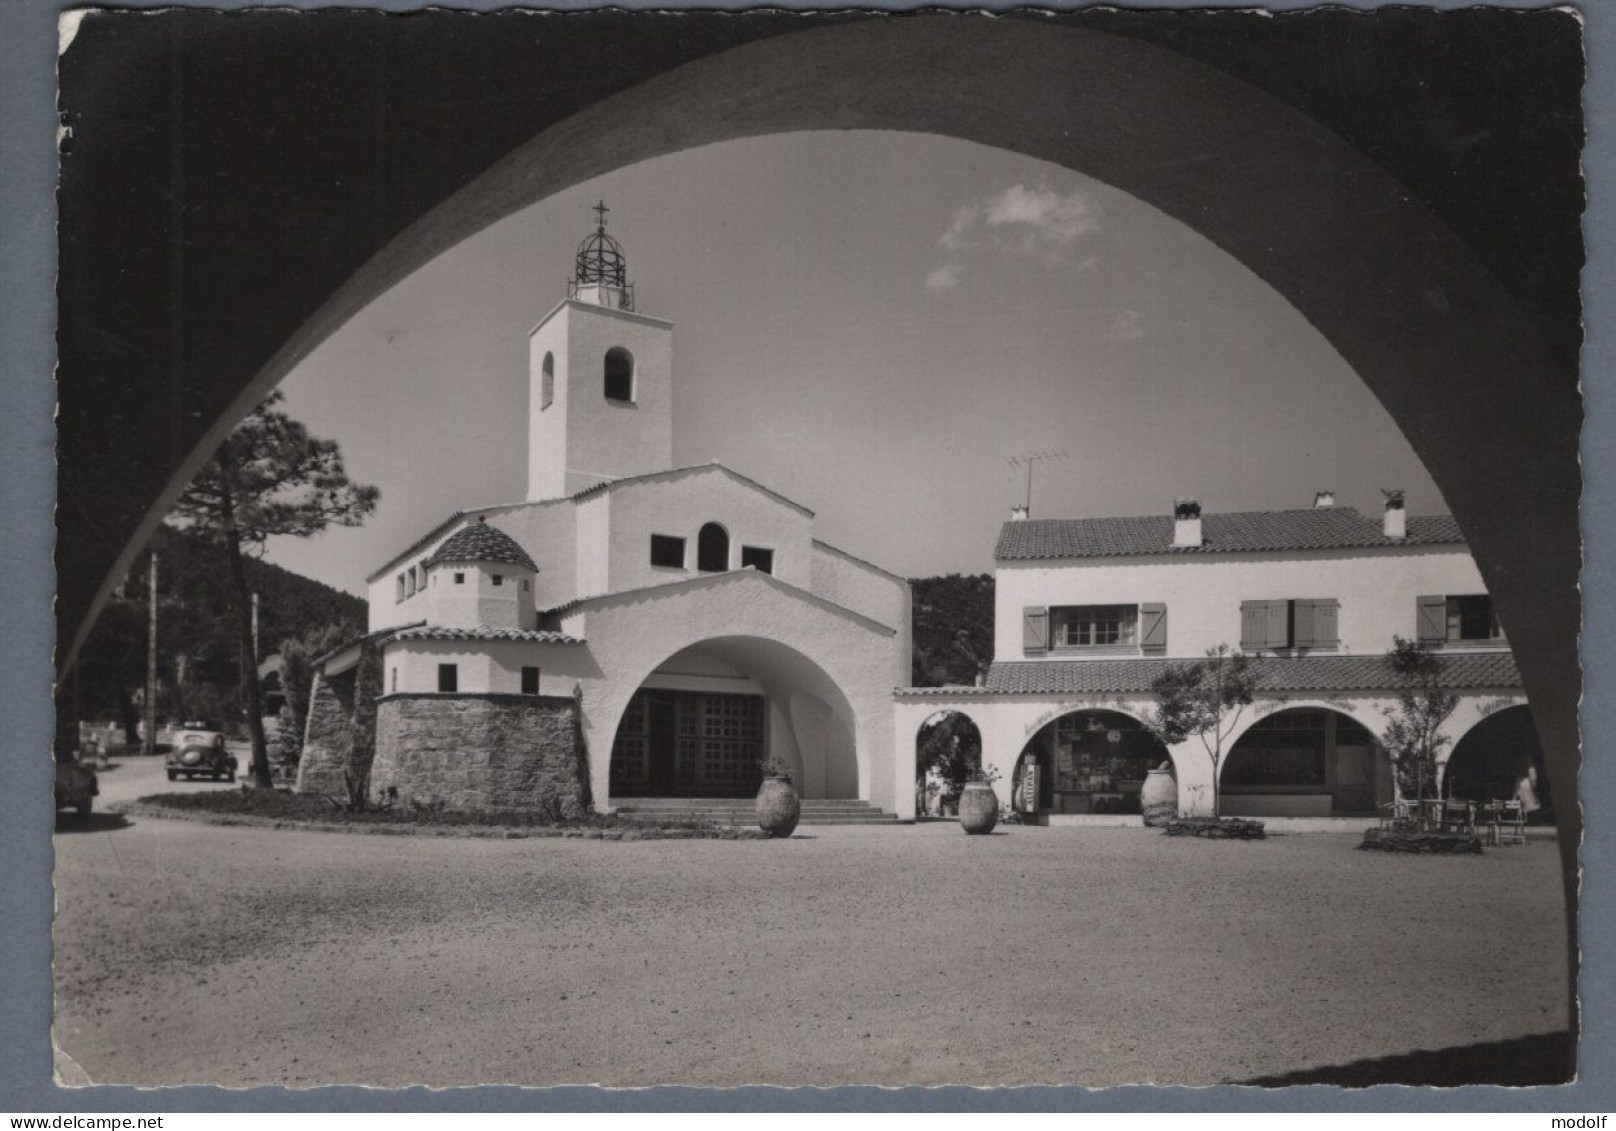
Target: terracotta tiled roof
(1316, 528)
(479, 542)
(483, 632)
(1273, 673)
(1459, 672)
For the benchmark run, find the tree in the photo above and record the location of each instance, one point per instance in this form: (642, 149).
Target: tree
(952, 748)
(1413, 737)
(298, 654)
(268, 478)
(1204, 698)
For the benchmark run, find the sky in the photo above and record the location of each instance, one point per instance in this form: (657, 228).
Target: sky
(871, 324)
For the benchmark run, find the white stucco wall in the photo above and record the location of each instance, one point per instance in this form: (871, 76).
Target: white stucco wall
(1377, 591)
(591, 553)
(865, 588)
(1008, 722)
(484, 667)
(679, 505)
(582, 437)
(477, 601)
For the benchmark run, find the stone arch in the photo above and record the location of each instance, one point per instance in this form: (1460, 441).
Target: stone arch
(811, 725)
(1092, 759)
(1369, 720)
(1301, 761)
(1494, 753)
(929, 798)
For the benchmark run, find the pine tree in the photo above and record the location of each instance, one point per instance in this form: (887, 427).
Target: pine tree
(269, 478)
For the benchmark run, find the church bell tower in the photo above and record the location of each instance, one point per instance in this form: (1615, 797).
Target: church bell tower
(600, 379)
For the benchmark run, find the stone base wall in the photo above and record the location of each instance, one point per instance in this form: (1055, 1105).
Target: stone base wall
(504, 752)
(328, 738)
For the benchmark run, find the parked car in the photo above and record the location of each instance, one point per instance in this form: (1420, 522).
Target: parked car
(76, 785)
(199, 749)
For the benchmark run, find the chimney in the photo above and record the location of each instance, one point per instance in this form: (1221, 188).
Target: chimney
(1018, 513)
(1187, 522)
(1323, 499)
(1396, 521)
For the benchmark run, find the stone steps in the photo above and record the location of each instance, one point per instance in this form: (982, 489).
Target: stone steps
(741, 810)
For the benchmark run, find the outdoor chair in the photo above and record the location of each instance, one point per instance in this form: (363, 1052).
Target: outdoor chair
(1509, 823)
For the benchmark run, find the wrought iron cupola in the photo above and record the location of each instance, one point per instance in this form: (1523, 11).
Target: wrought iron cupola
(600, 272)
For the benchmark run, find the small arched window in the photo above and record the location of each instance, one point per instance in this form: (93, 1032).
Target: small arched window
(712, 549)
(619, 375)
(547, 383)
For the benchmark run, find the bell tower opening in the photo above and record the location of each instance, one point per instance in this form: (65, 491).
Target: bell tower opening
(601, 377)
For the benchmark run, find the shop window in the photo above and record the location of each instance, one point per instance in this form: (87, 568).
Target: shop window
(448, 677)
(619, 374)
(547, 383)
(712, 549)
(758, 558)
(667, 551)
(1294, 623)
(1094, 626)
(530, 681)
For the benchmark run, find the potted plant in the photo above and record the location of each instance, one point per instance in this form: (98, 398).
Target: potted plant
(978, 804)
(778, 808)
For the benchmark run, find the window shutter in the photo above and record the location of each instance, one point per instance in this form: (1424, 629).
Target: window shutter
(1035, 629)
(1153, 628)
(1303, 624)
(1326, 624)
(1279, 634)
(1432, 619)
(1253, 625)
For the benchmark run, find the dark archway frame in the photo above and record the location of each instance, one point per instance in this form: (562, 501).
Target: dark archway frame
(1449, 352)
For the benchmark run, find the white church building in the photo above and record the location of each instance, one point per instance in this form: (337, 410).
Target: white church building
(630, 629)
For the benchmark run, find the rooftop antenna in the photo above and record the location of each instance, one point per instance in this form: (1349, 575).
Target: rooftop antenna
(1027, 460)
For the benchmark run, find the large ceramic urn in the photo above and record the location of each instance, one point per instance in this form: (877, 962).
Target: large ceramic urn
(1158, 797)
(978, 808)
(778, 809)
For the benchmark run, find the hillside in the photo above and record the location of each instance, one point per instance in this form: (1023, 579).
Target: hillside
(953, 628)
(197, 654)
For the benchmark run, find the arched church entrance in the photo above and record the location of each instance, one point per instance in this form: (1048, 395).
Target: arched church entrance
(1495, 757)
(713, 717)
(1306, 762)
(1086, 762)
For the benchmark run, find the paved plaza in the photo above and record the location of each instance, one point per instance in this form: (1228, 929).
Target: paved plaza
(191, 953)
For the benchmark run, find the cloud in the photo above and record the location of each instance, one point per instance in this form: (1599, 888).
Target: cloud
(1035, 222)
(1127, 326)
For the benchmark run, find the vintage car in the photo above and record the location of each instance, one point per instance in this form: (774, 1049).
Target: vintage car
(199, 749)
(76, 785)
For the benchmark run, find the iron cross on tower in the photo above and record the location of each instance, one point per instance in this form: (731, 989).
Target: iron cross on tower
(600, 215)
(1028, 460)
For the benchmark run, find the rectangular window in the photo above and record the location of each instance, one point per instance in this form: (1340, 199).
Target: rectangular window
(399, 592)
(758, 558)
(1302, 622)
(1471, 618)
(499, 579)
(448, 677)
(394, 678)
(667, 551)
(1094, 626)
(460, 578)
(530, 681)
